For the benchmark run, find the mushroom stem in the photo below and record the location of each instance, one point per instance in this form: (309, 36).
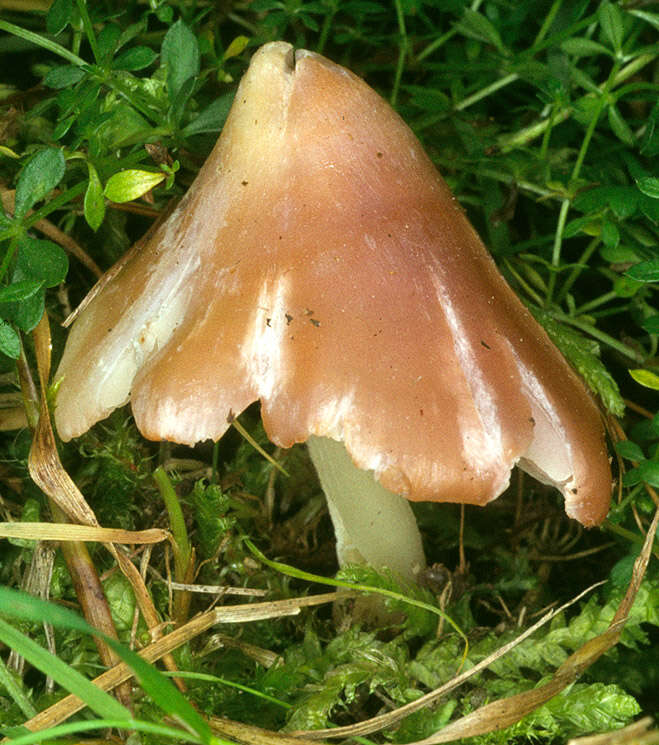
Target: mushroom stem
(372, 524)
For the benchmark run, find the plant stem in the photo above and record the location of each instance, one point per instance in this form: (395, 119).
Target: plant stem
(15, 691)
(40, 41)
(587, 307)
(176, 522)
(544, 146)
(9, 255)
(524, 284)
(555, 39)
(633, 67)
(574, 274)
(600, 336)
(89, 29)
(524, 136)
(327, 25)
(54, 204)
(509, 142)
(215, 472)
(565, 206)
(487, 91)
(508, 178)
(402, 52)
(546, 24)
(435, 45)
(556, 252)
(628, 535)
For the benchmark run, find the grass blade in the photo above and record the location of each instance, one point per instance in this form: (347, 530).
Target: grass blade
(22, 606)
(97, 700)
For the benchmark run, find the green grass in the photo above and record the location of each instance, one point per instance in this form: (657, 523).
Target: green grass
(544, 119)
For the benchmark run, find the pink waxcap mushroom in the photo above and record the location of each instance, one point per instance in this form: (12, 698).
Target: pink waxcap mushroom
(319, 264)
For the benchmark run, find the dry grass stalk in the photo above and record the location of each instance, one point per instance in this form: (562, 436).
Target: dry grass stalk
(50, 476)
(68, 532)
(120, 673)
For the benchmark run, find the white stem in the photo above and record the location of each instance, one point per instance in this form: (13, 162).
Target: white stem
(372, 525)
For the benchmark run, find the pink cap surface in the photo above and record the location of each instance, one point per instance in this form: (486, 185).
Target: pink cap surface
(320, 265)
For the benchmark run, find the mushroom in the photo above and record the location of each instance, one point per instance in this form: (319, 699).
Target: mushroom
(319, 264)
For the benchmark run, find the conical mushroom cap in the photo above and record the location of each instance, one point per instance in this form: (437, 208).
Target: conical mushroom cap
(320, 265)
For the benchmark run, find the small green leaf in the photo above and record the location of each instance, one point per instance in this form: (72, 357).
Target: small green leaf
(586, 108)
(107, 42)
(212, 118)
(626, 287)
(94, 204)
(63, 126)
(27, 314)
(651, 18)
(651, 324)
(647, 471)
(646, 378)
(10, 342)
(136, 58)
(619, 126)
(583, 355)
(581, 225)
(587, 105)
(610, 234)
(579, 47)
(645, 271)
(649, 185)
(236, 47)
(40, 176)
(9, 153)
(177, 109)
(41, 260)
(126, 127)
(619, 254)
(650, 208)
(180, 56)
(59, 16)
(131, 184)
(23, 301)
(63, 76)
(612, 25)
(121, 599)
(19, 291)
(132, 31)
(623, 200)
(630, 450)
(476, 26)
(165, 14)
(4, 220)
